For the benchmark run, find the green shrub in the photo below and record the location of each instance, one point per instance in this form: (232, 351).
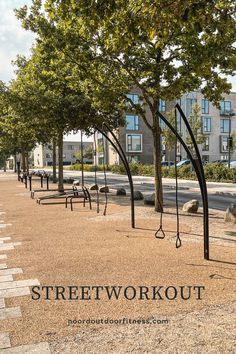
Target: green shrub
(146, 170)
(213, 171)
(120, 169)
(89, 168)
(218, 172)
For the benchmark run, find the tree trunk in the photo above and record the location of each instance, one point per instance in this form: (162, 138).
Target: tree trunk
(23, 160)
(5, 166)
(27, 161)
(15, 165)
(54, 162)
(157, 167)
(60, 162)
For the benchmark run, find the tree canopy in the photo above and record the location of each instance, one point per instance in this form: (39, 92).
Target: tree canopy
(163, 48)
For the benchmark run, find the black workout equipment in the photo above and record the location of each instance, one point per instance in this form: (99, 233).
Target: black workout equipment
(82, 157)
(84, 193)
(178, 239)
(96, 188)
(95, 171)
(197, 164)
(105, 176)
(105, 130)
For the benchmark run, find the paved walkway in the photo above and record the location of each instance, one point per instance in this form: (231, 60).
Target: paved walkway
(10, 288)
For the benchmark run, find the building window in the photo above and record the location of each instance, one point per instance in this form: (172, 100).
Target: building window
(134, 142)
(206, 124)
(133, 158)
(162, 106)
(205, 106)
(133, 97)
(205, 145)
(132, 122)
(223, 143)
(48, 156)
(70, 147)
(190, 102)
(225, 107)
(224, 125)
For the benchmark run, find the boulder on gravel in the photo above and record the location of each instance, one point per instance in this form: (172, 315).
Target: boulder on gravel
(104, 189)
(120, 191)
(138, 195)
(149, 199)
(230, 214)
(94, 187)
(191, 206)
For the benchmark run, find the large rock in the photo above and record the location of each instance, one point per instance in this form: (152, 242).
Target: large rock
(230, 214)
(94, 187)
(191, 206)
(120, 191)
(104, 189)
(149, 199)
(138, 195)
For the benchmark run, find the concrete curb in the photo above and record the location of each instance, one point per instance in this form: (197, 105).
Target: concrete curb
(227, 194)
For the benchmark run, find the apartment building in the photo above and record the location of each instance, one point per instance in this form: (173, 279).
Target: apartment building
(218, 125)
(135, 137)
(43, 153)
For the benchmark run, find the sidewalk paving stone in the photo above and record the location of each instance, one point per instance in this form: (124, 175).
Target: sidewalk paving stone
(4, 341)
(2, 226)
(39, 348)
(6, 293)
(6, 246)
(2, 303)
(3, 256)
(9, 271)
(4, 278)
(3, 266)
(10, 312)
(19, 284)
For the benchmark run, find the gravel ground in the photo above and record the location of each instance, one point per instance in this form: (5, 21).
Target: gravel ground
(209, 331)
(60, 247)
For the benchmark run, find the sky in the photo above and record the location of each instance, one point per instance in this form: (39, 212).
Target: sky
(15, 40)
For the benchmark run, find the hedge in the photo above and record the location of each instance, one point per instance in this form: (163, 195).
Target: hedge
(88, 167)
(213, 171)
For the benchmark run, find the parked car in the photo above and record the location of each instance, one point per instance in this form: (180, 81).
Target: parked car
(183, 163)
(167, 163)
(233, 164)
(223, 162)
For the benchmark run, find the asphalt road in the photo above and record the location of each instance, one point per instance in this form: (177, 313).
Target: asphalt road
(216, 201)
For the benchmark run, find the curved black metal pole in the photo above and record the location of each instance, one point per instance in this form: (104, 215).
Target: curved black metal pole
(127, 170)
(126, 165)
(203, 185)
(201, 181)
(82, 157)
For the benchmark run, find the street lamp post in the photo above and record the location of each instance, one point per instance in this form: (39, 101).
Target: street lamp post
(230, 141)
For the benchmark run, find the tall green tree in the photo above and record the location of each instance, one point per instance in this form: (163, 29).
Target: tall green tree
(164, 48)
(196, 123)
(17, 136)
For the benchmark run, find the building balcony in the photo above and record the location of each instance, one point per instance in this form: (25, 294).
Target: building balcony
(227, 112)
